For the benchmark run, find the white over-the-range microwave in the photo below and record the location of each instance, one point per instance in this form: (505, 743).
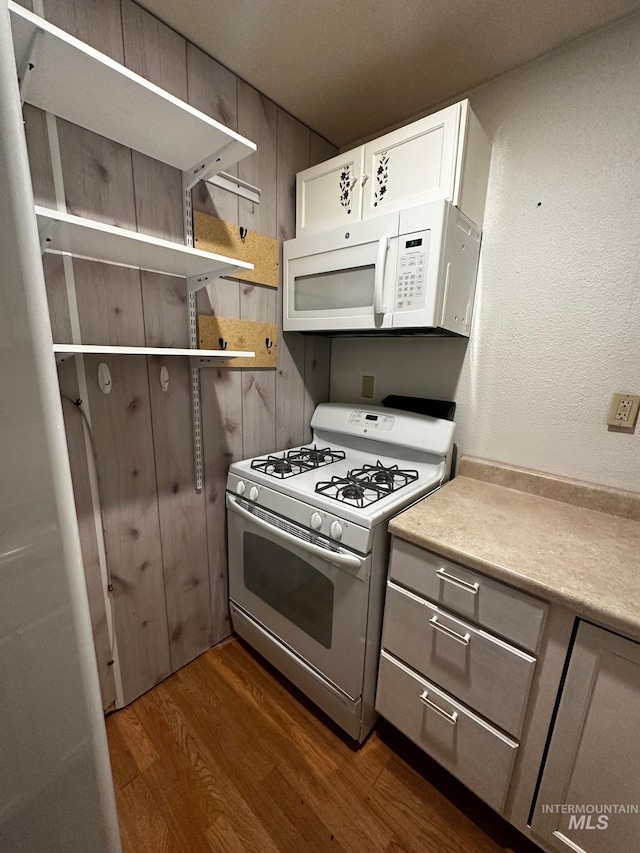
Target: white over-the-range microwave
(413, 270)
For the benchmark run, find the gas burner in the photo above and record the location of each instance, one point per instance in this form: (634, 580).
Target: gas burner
(295, 462)
(364, 486)
(278, 466)
(389, 476)
(316, 457)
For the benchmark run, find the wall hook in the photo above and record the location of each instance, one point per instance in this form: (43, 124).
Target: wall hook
(268, 343)
(222, 343)
(243, 233)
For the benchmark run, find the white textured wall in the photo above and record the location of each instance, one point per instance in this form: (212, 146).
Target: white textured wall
(557, 324)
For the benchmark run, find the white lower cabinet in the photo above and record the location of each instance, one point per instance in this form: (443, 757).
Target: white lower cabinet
(454, 687)
(478, 754)
(589, 796)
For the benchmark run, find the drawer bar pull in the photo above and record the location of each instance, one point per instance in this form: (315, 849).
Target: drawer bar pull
(469, 587)
(460, 638)
(450, 718)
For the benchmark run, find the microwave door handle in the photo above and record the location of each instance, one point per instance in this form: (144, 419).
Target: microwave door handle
(378, 280)
(343, 561)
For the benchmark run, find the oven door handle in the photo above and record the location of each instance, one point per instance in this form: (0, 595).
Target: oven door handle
(343, 561)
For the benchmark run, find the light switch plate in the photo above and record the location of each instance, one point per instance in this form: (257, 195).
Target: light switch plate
(368, 383)
(623, 413)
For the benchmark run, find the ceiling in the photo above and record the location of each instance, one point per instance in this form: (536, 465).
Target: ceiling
(350, 68)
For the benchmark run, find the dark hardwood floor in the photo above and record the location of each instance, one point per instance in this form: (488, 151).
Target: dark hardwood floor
(226, 756)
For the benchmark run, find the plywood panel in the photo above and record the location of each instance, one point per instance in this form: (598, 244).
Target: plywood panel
(213, 89)
(132, 532)
(74, 431)
(229, 333)
(97, 176)
(223, 238)
(293, 156)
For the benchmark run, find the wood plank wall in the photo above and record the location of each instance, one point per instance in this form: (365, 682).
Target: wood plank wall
(166, 546)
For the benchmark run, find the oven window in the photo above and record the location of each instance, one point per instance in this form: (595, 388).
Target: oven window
(289, 585)
(350, 288)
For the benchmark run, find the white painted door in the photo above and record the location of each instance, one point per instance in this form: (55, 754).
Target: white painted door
(412, 165)
(593, 765)
(329, 195)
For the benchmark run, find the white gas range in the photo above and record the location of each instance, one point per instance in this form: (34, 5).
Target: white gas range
(308, 547)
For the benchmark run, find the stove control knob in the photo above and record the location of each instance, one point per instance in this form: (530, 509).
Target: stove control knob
(335, 530)
(253, 494)
(241, 487)
(316, 521)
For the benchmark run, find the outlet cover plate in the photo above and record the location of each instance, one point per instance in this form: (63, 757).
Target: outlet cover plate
(623, 413)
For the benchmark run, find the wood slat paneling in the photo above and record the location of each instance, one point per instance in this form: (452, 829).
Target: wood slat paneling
(293, 155)
(258, 120)
(213, 89)
(39, 156)
(182, 514)
(74, 430)
(97, 176)
(132, 530)
(96, 22)
(181, 508)
(317, 359)
(139, 428)
(154, 50)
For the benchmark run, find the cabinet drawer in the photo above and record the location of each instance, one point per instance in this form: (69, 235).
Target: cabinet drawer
(477, 754)
(475, 667)
(494, 605)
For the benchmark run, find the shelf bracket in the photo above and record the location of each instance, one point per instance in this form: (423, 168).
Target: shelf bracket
(236, 186)
(28, 63)
(46, 233)
(207, 168)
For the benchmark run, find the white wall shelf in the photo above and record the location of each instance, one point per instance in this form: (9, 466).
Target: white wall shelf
(66, 351)
(86, 238)
(83, 86)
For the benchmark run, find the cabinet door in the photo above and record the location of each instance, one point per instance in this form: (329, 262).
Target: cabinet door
(594, 755)
(412, 165)
(330, 194)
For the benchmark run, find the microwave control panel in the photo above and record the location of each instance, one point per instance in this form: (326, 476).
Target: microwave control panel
(411, 278)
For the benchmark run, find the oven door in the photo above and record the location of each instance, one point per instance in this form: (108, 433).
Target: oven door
(341, 279)
(312, 599)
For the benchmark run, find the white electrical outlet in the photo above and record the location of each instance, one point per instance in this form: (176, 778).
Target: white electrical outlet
(624, 411)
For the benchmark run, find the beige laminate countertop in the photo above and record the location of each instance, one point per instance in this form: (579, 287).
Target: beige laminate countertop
(582, 558)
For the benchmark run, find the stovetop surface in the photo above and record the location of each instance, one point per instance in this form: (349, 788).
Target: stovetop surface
(343, 471)
(358, 478)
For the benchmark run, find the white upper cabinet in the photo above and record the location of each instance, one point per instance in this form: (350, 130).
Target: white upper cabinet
(443, 156)
(330, 194)
(412, 165)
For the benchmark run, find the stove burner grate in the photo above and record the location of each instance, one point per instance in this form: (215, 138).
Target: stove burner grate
(364, 486)
(295, 462)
